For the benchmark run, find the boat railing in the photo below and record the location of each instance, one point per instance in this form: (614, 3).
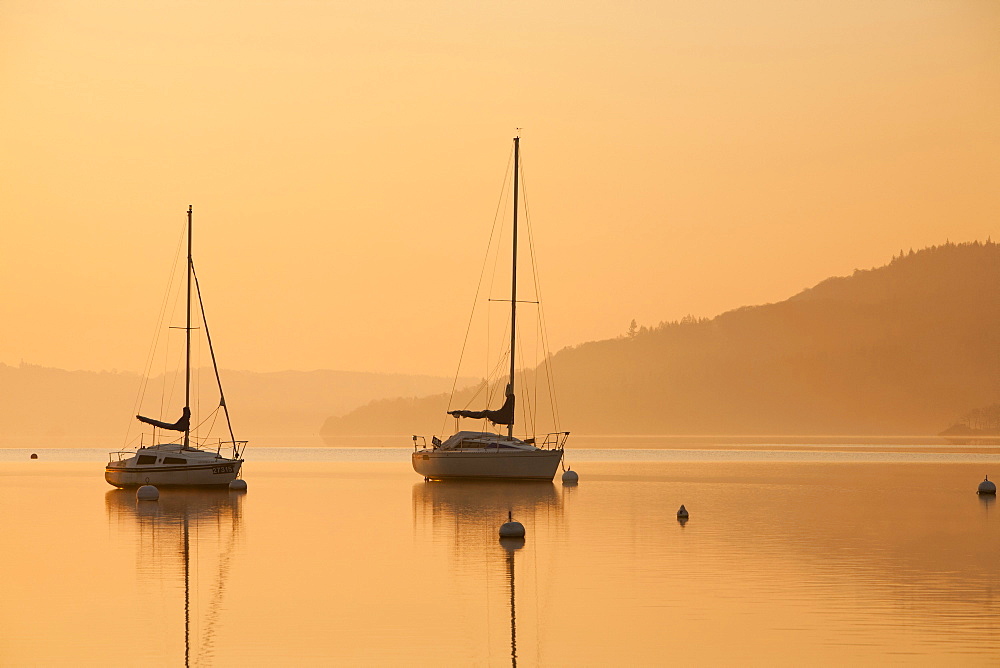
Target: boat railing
(237, 447)
(147, 440)
(555, 440)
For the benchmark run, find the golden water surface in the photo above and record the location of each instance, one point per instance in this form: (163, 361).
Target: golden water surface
(363, 563)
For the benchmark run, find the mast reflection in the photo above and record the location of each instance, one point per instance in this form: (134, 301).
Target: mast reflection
(166, 531)
(468, 514)
(510, 546)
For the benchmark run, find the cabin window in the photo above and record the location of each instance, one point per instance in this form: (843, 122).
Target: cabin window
(174, 460)
(146, 459)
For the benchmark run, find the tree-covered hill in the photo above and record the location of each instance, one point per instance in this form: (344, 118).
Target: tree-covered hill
(905, 348)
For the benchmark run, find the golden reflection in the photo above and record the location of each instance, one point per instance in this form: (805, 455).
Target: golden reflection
(478, 508)
(185, 539)
(466, 515)
(987, 501)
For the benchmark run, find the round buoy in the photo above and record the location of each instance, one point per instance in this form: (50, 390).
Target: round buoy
(238, 485)
(147, 493)
(682, 514)
(34, 456)
(987, 487)
(570, 477)
(511, 529)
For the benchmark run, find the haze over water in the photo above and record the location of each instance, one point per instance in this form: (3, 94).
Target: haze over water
(360, 562)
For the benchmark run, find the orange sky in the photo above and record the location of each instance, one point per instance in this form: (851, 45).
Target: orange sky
(345, 159)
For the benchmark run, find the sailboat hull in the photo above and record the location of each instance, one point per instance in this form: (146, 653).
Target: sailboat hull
(489, 464)
(217, 473)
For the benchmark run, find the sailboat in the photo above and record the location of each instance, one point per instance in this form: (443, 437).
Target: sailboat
(482, 454)
(180, 462)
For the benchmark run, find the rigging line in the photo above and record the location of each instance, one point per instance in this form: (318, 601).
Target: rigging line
(166, 357)
(505, 354)
(534, 275)
(497, 382)
(527, 411)
(550, 377)
(210, 416)
(475, 299)
(148, 368)
(166, 360)
(197, 382)
(489, 384)
(534, 386)
(211, 350)
(546, 368)
(506, 195)
(479, 388)
(489, 381)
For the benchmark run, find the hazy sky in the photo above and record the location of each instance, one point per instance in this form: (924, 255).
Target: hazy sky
(345, 160)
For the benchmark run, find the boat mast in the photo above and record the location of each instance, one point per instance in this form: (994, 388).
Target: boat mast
(513, 286)
(187, 332)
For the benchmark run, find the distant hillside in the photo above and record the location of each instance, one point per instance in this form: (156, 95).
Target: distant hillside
(905, 348)
(41, 402)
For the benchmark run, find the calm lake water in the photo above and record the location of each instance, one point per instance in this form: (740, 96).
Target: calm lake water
(791, 556)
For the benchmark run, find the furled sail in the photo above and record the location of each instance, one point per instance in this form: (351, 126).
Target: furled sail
(503, 415)
(181, 425)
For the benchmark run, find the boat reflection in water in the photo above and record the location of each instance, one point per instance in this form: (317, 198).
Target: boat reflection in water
(466, 516)
(189, 535)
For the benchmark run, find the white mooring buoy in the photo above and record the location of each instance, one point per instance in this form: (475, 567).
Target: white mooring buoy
(682, 514)
(510, 528)
(147, 493)
(987, 487)
(238, 485)
(570, 477)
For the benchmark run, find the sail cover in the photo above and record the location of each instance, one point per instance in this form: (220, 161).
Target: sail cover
(503, 415)
(181, 425)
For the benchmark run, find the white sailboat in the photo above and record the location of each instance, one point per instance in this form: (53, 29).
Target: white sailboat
(484, 454)
(182, 461)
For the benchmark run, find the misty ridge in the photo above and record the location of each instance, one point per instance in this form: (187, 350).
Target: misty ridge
(908, 348)
(97, 407)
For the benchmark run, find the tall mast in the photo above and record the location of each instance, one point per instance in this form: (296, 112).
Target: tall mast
(513, 284)
(187, 332)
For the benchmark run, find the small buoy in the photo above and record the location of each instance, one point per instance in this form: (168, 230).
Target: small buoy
(34, 456)
(238, 485)
(147, 493)
(682, 514)
(987, 487)
(511, 529)
(570, 477)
